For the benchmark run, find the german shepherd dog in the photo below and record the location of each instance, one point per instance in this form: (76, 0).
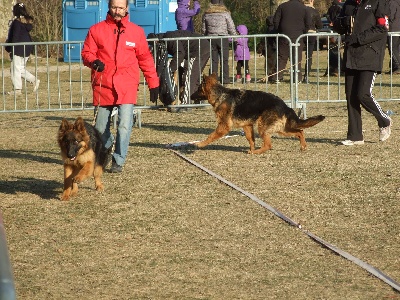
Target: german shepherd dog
(246, 108)
(83, 155)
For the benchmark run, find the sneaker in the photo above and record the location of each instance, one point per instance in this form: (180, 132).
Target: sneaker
(352, 143)
(385, 132)
(238, 78)
(16, 93)
(248, 78)
(115, 168)
(35, 88)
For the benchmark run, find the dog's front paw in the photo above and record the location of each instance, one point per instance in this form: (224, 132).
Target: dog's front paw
(200, 144)
(78, 179)
(65, 196)
(100, 187)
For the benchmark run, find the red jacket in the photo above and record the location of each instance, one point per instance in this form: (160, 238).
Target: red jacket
(123, 52)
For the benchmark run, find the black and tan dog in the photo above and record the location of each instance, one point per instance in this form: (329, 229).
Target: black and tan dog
(83, 155)
(246, 108)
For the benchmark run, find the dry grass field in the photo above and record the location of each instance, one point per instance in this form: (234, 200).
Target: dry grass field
(164, 229)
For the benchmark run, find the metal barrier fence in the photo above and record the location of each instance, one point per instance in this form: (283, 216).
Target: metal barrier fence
(67, 86)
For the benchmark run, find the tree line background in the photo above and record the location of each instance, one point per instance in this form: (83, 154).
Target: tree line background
(48, 15)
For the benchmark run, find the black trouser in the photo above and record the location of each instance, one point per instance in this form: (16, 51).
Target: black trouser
(393, 45)
(358, 87)
(310, 44)
(242, 64)
(283, 56)
(220, 56)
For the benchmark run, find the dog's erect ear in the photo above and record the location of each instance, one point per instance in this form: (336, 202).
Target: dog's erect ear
(79, 124)
(65, 125)
(214, 75)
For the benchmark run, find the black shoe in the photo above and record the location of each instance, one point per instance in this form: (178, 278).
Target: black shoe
(115, 168)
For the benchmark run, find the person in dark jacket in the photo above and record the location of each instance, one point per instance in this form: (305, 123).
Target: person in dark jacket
(365, 25)
(19, 33)
(333, 11)
(393, 40)
(310, 41)
(184, 15)
(193, 53)
(293, 19)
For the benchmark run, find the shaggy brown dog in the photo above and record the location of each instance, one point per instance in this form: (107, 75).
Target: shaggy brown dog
(246, 108)
(83, 154)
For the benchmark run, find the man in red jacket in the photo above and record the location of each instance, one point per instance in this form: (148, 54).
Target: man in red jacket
(116, 50)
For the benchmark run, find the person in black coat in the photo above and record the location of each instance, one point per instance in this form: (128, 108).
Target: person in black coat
(292, 19)
(365, 25)
(310, 41)
(393, 40)
(191, 56)
(19, 33)
(333, 11)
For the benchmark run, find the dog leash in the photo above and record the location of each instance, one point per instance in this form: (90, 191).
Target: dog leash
(369, 268)
(98, 102)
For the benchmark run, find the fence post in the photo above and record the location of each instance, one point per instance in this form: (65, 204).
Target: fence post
(7, 289)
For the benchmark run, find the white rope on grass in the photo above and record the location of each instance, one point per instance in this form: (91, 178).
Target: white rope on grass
(371, 269)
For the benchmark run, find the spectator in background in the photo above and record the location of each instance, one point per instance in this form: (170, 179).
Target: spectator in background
(393, 40)
(242, 55)
(310, 41)
(334, 51)
(217, 21)
(184, 15)
(193, 53)
(18, 33)
(293, 19)
(116, 50)
(333, 11)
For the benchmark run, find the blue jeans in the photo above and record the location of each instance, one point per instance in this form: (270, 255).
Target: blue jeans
(124, 129)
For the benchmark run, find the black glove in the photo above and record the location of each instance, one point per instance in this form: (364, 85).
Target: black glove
(350, 39)
(154, 94)
(98, 65)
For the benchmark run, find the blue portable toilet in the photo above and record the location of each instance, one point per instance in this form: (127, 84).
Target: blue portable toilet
(154, 16)
(79, 15)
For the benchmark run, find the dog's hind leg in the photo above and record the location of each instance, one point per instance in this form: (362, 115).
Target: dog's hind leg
(249, 134)
(98, 171)
(267, 145)
(299, 134)
(221, 130)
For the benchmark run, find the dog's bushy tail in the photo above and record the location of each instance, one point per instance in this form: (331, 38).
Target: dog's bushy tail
(306, 123)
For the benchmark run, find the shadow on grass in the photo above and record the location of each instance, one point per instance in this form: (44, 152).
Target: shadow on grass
(45, 189)
(190, 148)
(30, 155)
(182, 129)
